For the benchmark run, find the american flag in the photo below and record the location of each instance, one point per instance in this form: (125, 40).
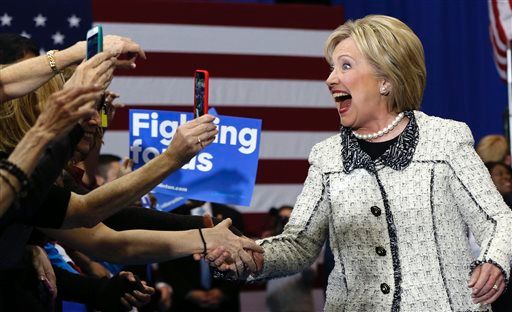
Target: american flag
(52, 24)
(500, 32)
(265, 61)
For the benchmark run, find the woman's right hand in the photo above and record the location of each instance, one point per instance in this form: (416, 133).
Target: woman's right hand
(192, 137)
(65, 108)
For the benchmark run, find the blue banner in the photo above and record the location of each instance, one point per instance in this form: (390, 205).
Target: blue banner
(224, 172)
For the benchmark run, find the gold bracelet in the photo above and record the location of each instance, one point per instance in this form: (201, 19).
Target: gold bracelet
(51, 61)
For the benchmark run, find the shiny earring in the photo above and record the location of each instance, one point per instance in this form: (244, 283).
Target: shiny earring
(384, 91)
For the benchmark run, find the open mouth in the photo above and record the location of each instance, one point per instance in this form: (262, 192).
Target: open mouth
(341, 96)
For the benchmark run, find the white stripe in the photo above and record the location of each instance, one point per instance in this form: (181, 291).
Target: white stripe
(274, 144)
(505, 18)
(266, 196)
(222, 39)
(224, 92)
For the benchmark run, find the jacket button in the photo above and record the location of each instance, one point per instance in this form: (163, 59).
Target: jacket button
(375, 211)
(384, 288)
(380, 251)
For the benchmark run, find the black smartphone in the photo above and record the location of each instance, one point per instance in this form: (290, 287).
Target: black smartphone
(201, 78)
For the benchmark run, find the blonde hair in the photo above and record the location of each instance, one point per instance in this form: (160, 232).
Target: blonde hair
(395, 53)
(493, 147)
(17, 116)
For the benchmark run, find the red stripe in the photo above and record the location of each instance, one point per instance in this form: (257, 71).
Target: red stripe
(282, 171)
(274, 118)
(497, 21)
(227, 14)
(231, 66)
(501, 66)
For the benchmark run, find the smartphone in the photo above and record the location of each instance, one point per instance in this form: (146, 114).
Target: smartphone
(95, 46)
(94, 41)
(200, 92)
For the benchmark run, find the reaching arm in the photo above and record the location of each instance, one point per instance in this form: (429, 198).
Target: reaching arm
(26, 76)
(142, 246)
(90, 209)
(23, 77)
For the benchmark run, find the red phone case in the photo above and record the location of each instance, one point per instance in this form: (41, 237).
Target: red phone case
(205, 94)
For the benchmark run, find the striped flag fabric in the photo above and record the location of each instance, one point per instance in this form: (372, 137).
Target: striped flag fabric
(265, 61)
(500, 32)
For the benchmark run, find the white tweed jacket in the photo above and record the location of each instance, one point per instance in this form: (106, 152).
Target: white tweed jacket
(398, 225)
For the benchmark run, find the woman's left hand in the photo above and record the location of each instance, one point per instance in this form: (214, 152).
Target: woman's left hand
(487, 283)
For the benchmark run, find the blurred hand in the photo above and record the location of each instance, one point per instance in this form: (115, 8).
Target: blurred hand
(110, 105)
(192, 137)
(43, 268)
(122, 46)
(126, 167)
(199, 297)
(97, 270)
(136, 298)
(166, 291)
(97, 70)
(66, 107)
(215, 297)
(483, 278)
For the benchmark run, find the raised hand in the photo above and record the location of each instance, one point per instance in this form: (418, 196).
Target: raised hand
(64, 108)
(487, 283)
(121, 46)
(192, 137)
(98, 70)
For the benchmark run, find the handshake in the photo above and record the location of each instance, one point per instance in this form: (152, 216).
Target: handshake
(236, 257)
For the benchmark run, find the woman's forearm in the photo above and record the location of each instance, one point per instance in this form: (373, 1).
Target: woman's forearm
(132, 246)
(24, 77)
(90, 209)
(25, 156)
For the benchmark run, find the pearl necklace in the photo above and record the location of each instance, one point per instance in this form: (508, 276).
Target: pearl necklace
(382, 132)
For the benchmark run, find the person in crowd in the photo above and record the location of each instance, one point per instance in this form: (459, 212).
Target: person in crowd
(292, 293)
(24, 77)
(396, 188)
(494, 147)
(110, 168)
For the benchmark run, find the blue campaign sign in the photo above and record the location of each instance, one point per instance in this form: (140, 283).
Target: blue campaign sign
(224, 172)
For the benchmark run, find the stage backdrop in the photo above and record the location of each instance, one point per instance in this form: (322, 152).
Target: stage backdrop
(266, 62)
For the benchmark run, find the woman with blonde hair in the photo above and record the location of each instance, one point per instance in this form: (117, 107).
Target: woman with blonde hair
(396, 189)
(493, 147)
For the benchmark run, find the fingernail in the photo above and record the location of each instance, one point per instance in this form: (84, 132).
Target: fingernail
(133, 65)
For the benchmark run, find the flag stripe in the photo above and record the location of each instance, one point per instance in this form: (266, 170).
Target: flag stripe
(274, 144)
(230, 66)
(499, 28)
(274, 118)
(222, 39)
(288, 171)
(232, 14)
(225, 92)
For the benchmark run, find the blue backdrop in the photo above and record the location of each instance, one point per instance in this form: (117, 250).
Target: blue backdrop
(462, 81)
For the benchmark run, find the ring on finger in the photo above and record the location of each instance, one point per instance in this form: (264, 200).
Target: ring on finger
(495, 287)
(200, 142)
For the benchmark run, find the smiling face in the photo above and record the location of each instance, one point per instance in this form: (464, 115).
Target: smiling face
(90, 126)
(356, 89)
(501, 177)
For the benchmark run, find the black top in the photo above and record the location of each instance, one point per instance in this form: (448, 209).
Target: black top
(375, 149)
